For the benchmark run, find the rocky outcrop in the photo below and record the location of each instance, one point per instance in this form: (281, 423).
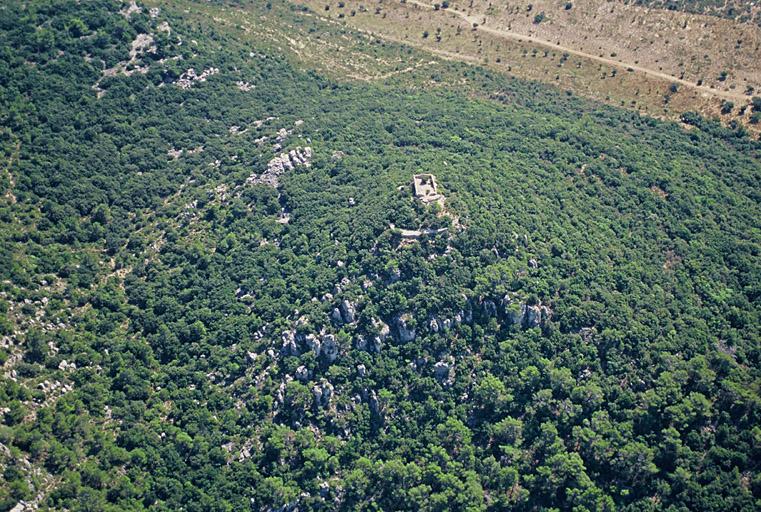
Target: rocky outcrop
(313, 343)
(533, 316)
(377, 410)
(289, 348)
(513, 310)
(299, 157)
(330, 349)
(189, 77)
(67, 366)
(405, 328)
(537, 315)
(443, 371)
(489, 308)
(322, 392)
(348, 311)
(381, 332)
(302, 373)
(522, 315)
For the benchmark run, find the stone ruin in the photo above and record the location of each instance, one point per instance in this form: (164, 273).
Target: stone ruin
(425, 188)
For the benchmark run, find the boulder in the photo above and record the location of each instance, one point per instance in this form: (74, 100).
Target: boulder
(299, 157)
(348, 311)
(289, 348)
(394, 275)
(489, 308)
(382, 332)
(513, 310)
(405, 328)
(330, 347)
(533, 316)
(376, 408)
(313, 343)
(322, 392)
(443, 371)
(302, 374)
(382, 329)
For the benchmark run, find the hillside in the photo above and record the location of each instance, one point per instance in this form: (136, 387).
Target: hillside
(255, 259)
(656, 61)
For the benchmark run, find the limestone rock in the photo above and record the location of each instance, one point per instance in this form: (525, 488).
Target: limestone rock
(489, 308)
(394, 275)
(513, 310)
(535, 315)
(376, 408)
(65, 365)
(289, 347)
(313, 343)
(190, 76)
(405, 328)
(348, 311)
(302, 373)
(381, 328)
(443, 371)
(382, 332)
(299, 157)
(322, 393)
(330, 347)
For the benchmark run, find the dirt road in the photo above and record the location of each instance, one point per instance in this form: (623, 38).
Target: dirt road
(477, 22)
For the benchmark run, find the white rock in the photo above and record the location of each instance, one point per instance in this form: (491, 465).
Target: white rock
(348, 311)
(406, 331)
(330, 347)
(314, 344)
(302, 373)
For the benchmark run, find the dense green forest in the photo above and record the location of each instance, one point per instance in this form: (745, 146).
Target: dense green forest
(208, 301)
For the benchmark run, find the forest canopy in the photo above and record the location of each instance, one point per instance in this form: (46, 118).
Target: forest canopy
(220, 292)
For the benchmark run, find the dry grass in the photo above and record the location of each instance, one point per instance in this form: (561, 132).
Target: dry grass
(636, 71)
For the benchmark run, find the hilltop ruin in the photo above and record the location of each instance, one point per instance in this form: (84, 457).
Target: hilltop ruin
(426, 190)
